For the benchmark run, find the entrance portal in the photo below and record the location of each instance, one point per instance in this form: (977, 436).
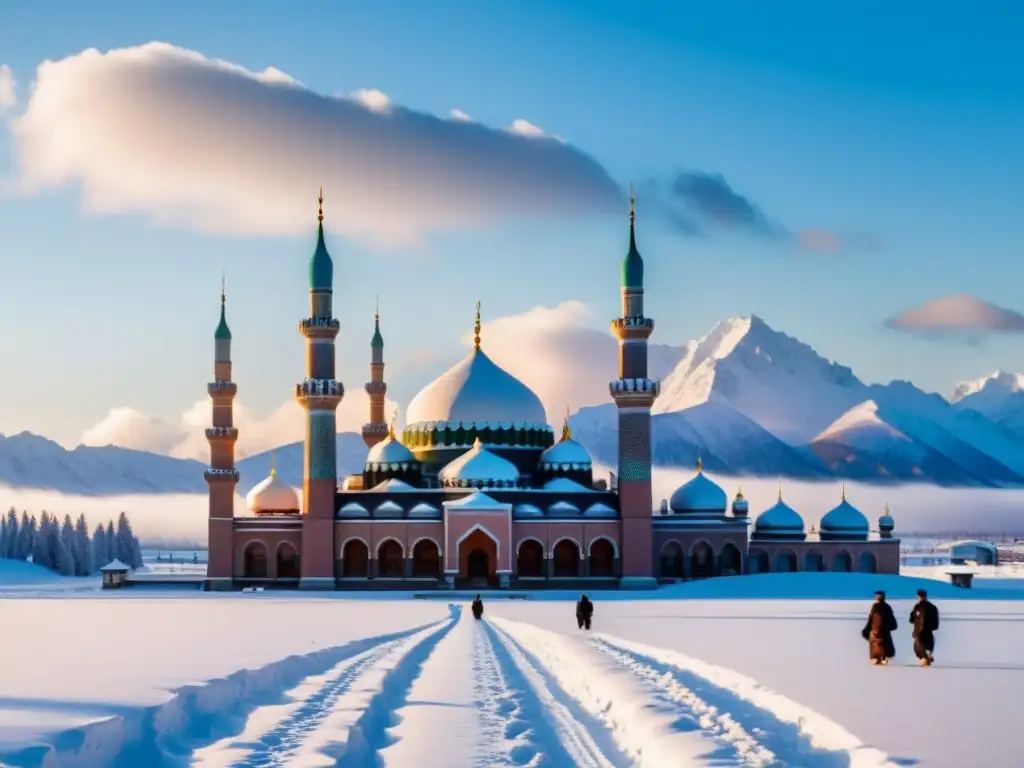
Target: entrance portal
(477, 566)
(478, 558)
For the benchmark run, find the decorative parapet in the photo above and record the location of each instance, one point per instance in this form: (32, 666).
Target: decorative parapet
(319, 388)
(222, 433)
(213, 474)
(638, 323)
(319, 326)
(221, 388)
(637, 386)
(375, 428)
(376, 387)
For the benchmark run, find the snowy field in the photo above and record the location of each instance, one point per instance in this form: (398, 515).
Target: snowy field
(770, 676)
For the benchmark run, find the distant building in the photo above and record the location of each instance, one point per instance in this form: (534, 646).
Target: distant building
(478, 490)
(970, 551)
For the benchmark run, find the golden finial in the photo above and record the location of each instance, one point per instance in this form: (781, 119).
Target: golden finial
(700, 464)
(320, 206)
(376, 309)
(887, 509)
(632, 205)
(391, 426)
(739, 492)
(566, 433)
(780, 490)
(476, 328)
(273, 463)
(843, 497)
(223, 291)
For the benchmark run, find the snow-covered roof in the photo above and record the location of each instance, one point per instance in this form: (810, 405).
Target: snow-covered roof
(566, 453)
(424, 510)
(390, 450)
(388, 508)
(476, 390)
(115, 566)
(393, 484)
(844, 521)
(272, 494)
(599, 510)
(699, 494)
(967, 543)
(353, 509)
(563, 508)
(476, 500)
(565, 485)
(527, 510)
(478, 467)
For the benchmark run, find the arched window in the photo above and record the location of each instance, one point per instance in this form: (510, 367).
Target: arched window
(673, 565)
(785, 562)
(288, 566)
(702, 561)
(255, 560)
(602, 558)
(757, 561)
(567, 558)
(814, 562)
(389, 559)
(354, 559)
(426, 560)
(530, 561)
(732, 560)
(842, 563)
(868, 563)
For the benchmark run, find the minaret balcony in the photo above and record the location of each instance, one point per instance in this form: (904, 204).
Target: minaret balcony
(319, 388)
(375, 428)
(635, 386)
(222, 388)
(213, 475)
(632, 327)
(222, 433)
(376, 387)
(319, 327)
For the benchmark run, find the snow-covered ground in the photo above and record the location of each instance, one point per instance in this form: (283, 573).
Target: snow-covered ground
(775, 675)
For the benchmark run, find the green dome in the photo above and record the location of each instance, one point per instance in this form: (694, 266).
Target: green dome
(223, 333)
(321, 268)
(632, 265)
(377, 342)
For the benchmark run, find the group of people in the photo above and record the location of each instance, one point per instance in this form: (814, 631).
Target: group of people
(584, 610)
(924, 621)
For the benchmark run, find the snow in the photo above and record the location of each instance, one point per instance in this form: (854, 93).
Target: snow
(702, 673)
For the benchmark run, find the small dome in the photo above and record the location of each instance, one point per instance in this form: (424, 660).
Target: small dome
(779, 520)
(565, 485)
(479, 468)
(699, 495)
(566, 453)
(845, 521)
(272, 495)
(885, 523)
(389, 451)
(740, 505)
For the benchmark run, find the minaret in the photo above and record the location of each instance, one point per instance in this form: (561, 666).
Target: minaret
(319, 394)
(221, 475)
(377, 429)
(634, 393)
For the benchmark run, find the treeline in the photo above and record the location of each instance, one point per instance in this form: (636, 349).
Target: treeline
(66, 547)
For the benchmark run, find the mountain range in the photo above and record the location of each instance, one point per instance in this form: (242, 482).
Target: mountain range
(745, 399)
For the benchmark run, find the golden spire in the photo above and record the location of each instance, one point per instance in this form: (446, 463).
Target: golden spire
(887, 509)
(476, 328)
(273, 463)
(700, 464)
(223, 291)
(632, 205)
(843, 498)
(391, 426)
(780, 490)
(739, 492)
(566, 432)
(320, 206)
(376, 309)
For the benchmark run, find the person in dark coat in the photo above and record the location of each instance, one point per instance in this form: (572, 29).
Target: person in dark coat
(925, 619)
(878, 630)
(477, 607)
(584, 612)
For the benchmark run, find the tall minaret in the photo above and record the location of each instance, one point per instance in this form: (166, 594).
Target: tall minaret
(634, 393)
(377, 429)
(319, 394)
(221, 475)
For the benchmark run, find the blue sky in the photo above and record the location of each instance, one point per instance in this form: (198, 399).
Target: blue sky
(898, 125)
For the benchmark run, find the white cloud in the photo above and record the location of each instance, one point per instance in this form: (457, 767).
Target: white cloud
(525, 128)
(184, 437)
(8, 88)
(372, 99)
(458, 114)
(203, 143)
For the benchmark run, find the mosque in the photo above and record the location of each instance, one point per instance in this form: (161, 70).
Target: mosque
(480, 491)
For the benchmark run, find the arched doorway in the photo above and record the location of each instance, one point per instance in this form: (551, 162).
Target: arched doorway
(702, 561)
(287, 561)
(254, 560)
(868, 563)
(567, 559)
(530, 560)
(785, 562)
(602, 558)
(389, 559)
(478, 557)
(354, 559)
(672, 563)
(842, 563)
(757, 562)
(426, 560)
(814, 562)
(732, 560)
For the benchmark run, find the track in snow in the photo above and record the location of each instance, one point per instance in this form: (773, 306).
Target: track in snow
(757, 736)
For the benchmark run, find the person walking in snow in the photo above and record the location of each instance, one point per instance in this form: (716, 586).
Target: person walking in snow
(584, 612)
(477, 607)
(924, 617)
(878, 630)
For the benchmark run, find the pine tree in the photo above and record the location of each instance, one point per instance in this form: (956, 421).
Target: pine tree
(3, 538)
(52, 543)
(26, 537)
(111, 542)
(136, 553)
(99, 547)
(125, 540)
(12, 534)
(83, 548)
(39, 546)
(68, 545)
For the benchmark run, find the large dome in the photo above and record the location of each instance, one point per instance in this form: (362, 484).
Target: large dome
(272, 495)
(479, 468)
(476, 391)
(844, 522)
(779, 521)
(699, 495)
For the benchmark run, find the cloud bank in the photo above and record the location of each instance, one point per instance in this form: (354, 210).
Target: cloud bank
(8, 88)
(210, 145)
(957, 315)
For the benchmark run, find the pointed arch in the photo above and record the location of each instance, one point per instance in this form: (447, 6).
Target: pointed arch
(530, 558)
(254, 559)
(288, 561)
(610, 540)
(672, 561)
(702, 559)
(601, 557)
(426, 557)
(483, 529)
(390, 558)
(355, 558)
(567, 556)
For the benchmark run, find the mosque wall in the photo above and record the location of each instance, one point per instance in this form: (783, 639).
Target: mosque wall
(267, 553)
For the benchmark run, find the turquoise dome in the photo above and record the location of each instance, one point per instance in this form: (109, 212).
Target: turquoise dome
(223, 333)
(632, 265)
(377, 342)
(321, 268)
(699, 495)
(844, 522)
(779, 522)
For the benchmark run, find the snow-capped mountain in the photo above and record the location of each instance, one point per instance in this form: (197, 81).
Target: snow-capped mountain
(999, 397)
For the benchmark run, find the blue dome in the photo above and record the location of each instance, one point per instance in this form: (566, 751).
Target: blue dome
(844, 522)
(699, 495)
(740, 506)
(779, 521)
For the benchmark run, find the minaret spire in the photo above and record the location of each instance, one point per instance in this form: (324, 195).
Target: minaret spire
(376, 429)
(476, 328)
(320, 206)
(843, 497)
(273, 463)
(700, 463)
(566, 432)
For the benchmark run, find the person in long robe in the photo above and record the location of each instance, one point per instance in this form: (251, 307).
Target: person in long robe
(878, 631)
(924, 617)
(584, 612)
(477, 607)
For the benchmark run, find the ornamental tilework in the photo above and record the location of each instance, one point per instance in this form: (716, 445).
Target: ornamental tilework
(635, 446)
(321, 462)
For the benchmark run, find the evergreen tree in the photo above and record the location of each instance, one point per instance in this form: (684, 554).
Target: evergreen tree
(136, 553)
(39, 548)
(111, 542)
(12, 534)
(69, 546)
(3, 538)
(83, 548)
(52, 543)
(99, 547)
(26, 537)
(125, 540)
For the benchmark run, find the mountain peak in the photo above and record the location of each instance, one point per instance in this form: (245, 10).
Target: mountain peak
(997, 383)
